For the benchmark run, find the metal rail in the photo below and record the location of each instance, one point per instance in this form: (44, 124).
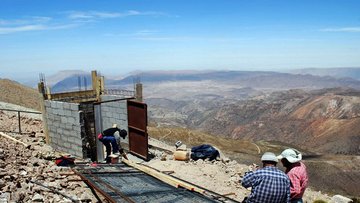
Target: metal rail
(34, 112)
(19, 117)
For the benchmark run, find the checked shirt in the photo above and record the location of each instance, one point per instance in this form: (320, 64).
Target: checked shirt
(299, 180)
(268, 185)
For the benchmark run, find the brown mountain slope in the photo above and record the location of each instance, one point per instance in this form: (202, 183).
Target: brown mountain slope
(15, 93)
(323, 121)
(327, 121)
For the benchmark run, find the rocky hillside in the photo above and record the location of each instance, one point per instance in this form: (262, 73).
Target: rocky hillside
(325, 120)
(15, 93)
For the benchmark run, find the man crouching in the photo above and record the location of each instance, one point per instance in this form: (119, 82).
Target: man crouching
(108, 139)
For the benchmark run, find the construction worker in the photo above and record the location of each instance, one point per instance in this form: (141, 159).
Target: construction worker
(296, 170)
(268, 184)
(108, 139)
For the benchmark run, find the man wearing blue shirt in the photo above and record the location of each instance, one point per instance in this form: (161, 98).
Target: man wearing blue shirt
(268, 184)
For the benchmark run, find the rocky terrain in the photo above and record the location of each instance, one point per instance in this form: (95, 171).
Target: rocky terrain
(29, 174)
(221, 176)
(329, 173)
(323, 121)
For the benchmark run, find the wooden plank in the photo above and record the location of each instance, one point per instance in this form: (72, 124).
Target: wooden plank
(13, 139)
(164, 177)
(84, 93)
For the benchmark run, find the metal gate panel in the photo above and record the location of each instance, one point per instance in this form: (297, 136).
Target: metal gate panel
(137, 124)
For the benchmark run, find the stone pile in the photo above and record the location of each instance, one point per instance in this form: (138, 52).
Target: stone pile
(30, 174)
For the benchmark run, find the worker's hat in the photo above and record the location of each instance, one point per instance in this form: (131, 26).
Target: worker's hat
(292, 155)
(269, 156)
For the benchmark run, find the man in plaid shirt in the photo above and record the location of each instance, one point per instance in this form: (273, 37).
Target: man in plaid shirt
(297, 173)
(268, 184)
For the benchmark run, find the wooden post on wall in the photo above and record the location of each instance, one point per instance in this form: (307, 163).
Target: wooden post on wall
(98, 84)
(138, 92)
(102, 84)
(42, 96)
(94, 79)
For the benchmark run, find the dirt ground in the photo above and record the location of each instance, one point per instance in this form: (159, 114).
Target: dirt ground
(221, 176)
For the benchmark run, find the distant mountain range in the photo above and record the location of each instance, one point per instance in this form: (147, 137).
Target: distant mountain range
(252, 79)
(333, 72)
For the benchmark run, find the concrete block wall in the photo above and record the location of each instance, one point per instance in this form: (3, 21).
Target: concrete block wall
(114, 112)
(63, 121)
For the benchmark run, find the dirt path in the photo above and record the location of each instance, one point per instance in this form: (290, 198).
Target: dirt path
(167, 134)
(258, 148)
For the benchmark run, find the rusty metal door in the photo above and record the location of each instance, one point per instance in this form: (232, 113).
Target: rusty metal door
(137, 124)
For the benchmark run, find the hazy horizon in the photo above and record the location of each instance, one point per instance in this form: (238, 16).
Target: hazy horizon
(118, 37)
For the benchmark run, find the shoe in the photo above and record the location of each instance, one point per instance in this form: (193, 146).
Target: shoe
(117, 153)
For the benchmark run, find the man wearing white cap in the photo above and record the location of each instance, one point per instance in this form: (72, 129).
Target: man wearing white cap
(296, 170)
(268, 184)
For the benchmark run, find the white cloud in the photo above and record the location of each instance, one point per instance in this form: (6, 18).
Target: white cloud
(74, 19)
(344, 29)
(32, 23)
(26, 28)
(29, 20)
(7, 30)
(145, 32)
(89, 15)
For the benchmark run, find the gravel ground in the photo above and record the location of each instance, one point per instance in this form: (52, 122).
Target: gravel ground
(221, 176)
(29, 174)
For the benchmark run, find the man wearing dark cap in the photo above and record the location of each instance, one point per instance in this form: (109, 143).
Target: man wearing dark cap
(268, 184)
(108, 139)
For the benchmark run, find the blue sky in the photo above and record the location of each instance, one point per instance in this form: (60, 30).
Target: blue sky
(117, 37)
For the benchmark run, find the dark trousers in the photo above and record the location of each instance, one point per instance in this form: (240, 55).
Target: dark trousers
(107, 140)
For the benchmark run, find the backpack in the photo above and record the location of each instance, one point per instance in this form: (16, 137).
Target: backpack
(64, 161)
(204, 151)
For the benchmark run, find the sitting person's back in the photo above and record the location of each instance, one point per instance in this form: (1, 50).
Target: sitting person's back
(269, 184)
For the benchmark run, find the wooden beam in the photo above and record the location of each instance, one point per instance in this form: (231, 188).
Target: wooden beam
(13, 139)
(77, 94)
(94, 79)
(164, 177)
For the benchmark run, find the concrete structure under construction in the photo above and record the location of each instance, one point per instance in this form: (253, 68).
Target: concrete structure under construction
(73, 119)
